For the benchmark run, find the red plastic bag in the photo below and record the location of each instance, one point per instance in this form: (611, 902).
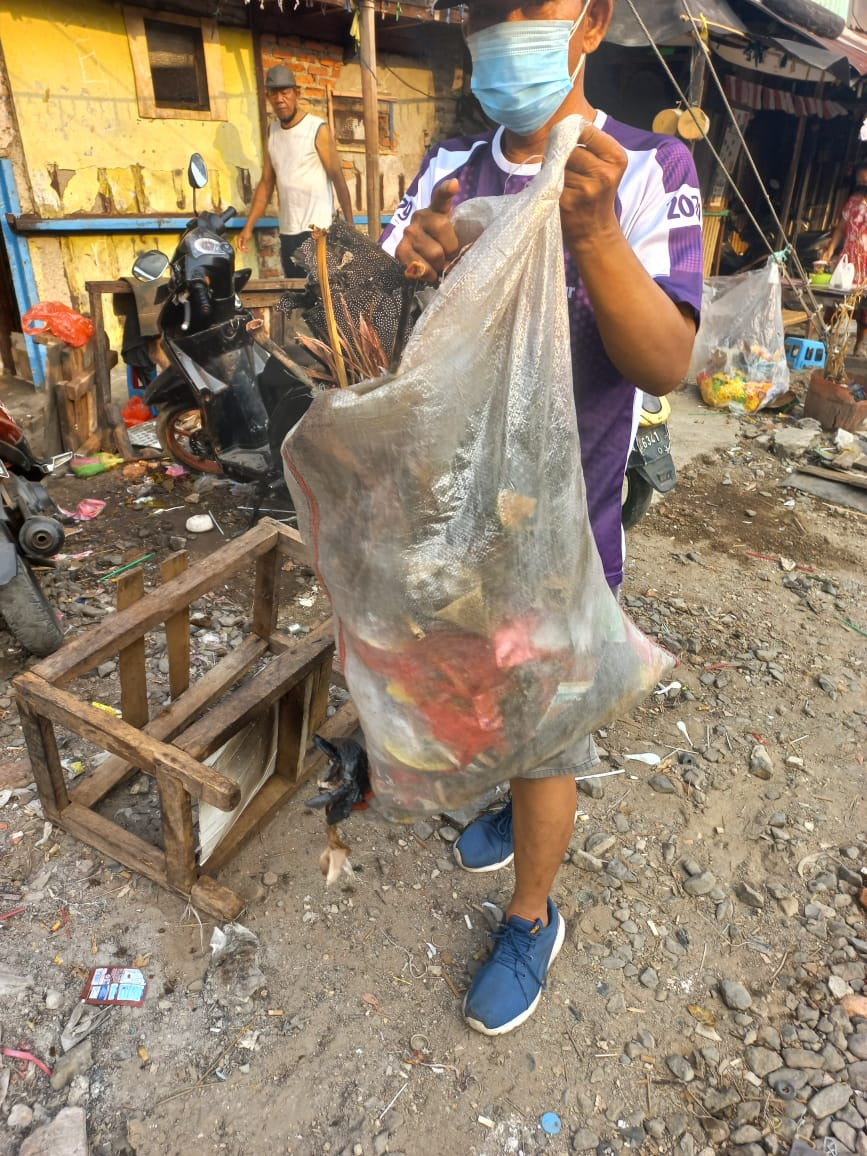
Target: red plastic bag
(135, 412)
(57, 318)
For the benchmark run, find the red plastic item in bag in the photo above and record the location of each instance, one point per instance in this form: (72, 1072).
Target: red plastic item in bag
(57, 318)
(135, 412)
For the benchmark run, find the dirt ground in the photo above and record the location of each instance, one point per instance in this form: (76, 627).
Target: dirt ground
(353, 1041)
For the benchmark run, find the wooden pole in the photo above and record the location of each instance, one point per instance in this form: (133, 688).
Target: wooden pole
(370, 102)
(789, 191)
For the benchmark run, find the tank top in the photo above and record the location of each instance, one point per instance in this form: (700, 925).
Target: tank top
(303, 188)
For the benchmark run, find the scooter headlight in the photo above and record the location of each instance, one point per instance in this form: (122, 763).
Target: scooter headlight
(209, 246)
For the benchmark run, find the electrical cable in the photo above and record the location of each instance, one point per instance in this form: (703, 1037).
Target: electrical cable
(815, 313)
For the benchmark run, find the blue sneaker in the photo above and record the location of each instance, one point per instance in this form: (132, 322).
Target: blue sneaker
(487, 844)
(507, 989)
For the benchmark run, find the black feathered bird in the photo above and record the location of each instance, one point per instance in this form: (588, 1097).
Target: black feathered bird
(347, 784)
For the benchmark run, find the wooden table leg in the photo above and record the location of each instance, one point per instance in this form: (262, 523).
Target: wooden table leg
(45, 762)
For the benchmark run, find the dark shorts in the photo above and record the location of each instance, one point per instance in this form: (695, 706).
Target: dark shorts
(579, 759)
(289, 242)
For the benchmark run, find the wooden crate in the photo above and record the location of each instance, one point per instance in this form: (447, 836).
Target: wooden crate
(172, 745)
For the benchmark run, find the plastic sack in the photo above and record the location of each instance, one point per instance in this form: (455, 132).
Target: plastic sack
(739, 358)
(446, 512)
(58, 319)
(843, 276)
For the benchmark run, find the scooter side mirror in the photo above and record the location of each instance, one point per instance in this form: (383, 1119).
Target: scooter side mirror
(197, 171)
(150, 266)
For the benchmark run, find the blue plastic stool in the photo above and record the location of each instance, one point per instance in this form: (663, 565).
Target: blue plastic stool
(804, 354)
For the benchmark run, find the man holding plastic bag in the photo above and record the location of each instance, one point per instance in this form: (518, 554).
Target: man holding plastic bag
(630, 213)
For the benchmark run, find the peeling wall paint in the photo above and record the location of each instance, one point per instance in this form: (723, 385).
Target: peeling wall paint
(85, 149)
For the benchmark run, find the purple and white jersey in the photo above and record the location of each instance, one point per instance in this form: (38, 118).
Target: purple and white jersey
(659, 209)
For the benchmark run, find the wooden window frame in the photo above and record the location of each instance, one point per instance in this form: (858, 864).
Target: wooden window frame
(383, 102)
(144, 85)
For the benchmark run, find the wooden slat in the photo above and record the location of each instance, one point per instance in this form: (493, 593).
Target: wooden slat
(131, 660)
(178, 835)
(291, 545)
(118, 630)
(104, 778)
(214, 899)
(112, 840)
(44, 762)
(277, 790)
(177, 630)
(137, 747)
(265, 596)
(244, 704)
(845, 477)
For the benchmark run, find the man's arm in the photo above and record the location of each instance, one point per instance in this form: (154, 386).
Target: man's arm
(647, 335)
(261, 199)
(328, 154)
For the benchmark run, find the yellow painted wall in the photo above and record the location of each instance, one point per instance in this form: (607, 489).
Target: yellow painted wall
(88, 150)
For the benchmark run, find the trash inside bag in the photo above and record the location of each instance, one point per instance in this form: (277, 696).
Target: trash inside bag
(446, 511)
(739, 357)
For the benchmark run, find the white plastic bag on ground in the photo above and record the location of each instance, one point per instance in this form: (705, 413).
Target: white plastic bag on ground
(739, 356)
(446, 512)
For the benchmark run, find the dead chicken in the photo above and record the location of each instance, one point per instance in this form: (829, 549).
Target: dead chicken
(345, 788)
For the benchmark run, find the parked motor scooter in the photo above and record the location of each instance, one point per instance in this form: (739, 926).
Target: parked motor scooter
(30, 531)
(229, 396)
(650, 466)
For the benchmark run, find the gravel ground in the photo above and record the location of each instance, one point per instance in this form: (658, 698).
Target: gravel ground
(711, 995)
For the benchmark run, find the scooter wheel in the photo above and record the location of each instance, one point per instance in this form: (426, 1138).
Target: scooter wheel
(639, 495)
(179, 430)
(28, 614)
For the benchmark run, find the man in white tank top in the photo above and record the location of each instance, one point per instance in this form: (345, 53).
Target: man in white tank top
(302, 163)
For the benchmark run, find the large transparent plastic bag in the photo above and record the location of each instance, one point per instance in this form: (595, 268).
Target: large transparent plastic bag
(739, 356)
(446, 512)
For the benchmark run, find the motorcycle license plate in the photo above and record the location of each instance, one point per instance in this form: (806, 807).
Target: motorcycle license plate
(653, 442)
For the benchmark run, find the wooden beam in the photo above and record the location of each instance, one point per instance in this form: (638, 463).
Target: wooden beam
(292, 545)
(137, 747)
(131, 660)
(370, 108)
(239, 708)
(44, 762)
(177, 630)
(265, 598)
(178, 834)
(117, 631)
(211, 686)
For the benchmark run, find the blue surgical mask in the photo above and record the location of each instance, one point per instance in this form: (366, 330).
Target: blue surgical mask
(521, 70)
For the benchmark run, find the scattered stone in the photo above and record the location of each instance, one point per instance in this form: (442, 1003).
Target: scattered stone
(857, 1045)
(802, 1058)
(600, 843)
(746, 1134)
(423, 830)
(53, 999)
(20, 1118)
(734, 995)
(761, 764)
(749, 896)
(698, 885)
(649, 978)
(858, 1076)
(829, 1100)
(680, 1068)
(448, 834)
(72, 1064)
(661, 784)
(763, 1061)
(584, 1140)
(66, 1133)
(789, 906)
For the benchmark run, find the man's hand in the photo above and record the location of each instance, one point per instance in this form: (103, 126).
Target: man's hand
(429, 241)
(593, 174)
(243, 240)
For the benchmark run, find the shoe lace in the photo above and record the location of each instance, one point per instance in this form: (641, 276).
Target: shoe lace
(502, 822)
(512, 947)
